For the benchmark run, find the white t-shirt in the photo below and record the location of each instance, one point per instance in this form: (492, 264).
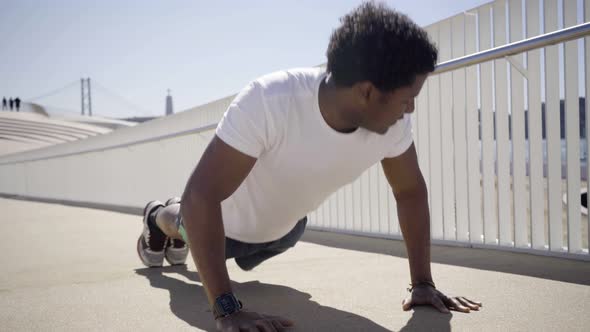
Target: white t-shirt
(301, 160)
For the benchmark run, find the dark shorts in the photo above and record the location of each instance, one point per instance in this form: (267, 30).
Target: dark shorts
(250, 255)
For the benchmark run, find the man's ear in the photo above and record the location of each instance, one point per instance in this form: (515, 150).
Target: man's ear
(364, 92)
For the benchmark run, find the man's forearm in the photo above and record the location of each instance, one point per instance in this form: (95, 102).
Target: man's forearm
(204, 228)
(414, 220)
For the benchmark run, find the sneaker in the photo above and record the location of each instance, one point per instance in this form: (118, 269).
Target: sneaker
(173, 200)
(176, 250)
(151, 241)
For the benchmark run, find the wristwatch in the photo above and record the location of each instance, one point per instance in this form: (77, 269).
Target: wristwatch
(226, 304)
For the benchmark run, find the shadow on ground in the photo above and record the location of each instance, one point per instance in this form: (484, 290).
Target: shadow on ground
(428, 319)
(189, 303)
(558, 269)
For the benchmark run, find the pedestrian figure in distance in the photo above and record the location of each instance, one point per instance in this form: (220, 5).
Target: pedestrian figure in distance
(17, 103)
(11, 103)
(4, 103)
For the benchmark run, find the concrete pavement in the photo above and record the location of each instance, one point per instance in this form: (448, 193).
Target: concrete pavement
(71, 269)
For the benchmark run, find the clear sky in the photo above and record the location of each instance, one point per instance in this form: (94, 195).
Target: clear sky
(133, 50)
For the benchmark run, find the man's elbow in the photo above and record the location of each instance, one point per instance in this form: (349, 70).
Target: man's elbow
(193, 200)
(416, 193)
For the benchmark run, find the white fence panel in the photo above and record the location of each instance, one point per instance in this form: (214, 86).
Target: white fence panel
(446, 138)
(333, 203)
(519, 178)
(436, 208)
(365, 203)
(349, 207)
(320, 216)
(358, 208)
(473, 140)
(373, 198)
(552, 130)
(341, 200)
(487, 132)
(572, 132)
(587, 82)
(383, 189)
(459, 131)
(423, 143)
(537, 186)
(502, 141)
(394, 228)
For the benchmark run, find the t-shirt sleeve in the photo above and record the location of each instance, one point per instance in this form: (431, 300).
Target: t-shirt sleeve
(244, 123)
(402, 137)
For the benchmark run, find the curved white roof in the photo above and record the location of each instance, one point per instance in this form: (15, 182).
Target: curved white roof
(33, 128)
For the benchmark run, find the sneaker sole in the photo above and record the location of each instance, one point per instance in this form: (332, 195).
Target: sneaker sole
(147, 209)
(180, 253)
(142, 258)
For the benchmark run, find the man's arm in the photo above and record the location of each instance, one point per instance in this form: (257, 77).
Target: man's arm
(409, 189)
(219, 173)
(411, 195)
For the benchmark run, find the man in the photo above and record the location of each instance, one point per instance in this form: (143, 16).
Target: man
(289, 140)
(3, 103)
(17, 103)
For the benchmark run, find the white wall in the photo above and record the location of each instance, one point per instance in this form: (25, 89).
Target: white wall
(98, 170)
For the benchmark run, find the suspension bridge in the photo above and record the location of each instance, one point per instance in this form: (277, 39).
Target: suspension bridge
(77, 110)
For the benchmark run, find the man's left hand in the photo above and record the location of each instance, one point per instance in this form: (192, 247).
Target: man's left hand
(428, 295)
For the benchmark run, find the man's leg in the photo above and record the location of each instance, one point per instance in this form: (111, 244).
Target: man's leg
(246, 255)
(154, 244)
(166, 220)
(249, 261)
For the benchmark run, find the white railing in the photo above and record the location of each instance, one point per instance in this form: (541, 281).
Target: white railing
(473, 202)
(489, 193)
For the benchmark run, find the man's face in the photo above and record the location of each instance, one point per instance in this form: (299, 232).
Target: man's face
(384, 109)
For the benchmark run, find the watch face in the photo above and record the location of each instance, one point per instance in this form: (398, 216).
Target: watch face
(227, 304)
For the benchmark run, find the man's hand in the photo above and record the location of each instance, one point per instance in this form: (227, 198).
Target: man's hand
(252, 322)
(428, 295)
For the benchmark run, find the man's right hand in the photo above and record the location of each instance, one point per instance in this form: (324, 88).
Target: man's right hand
(252, 322)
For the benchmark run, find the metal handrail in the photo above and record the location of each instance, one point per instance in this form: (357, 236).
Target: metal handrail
(551, 38)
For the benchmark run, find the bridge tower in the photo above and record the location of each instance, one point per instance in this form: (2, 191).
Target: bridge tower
(86, 96)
